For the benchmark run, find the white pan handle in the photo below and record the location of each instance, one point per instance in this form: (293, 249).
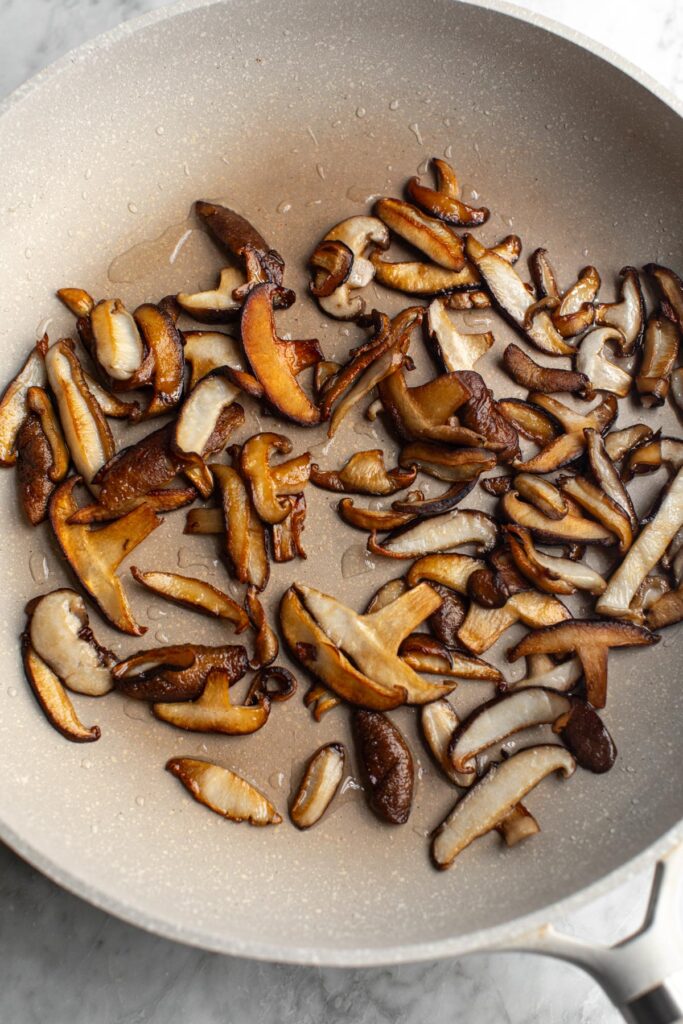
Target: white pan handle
(642, 974)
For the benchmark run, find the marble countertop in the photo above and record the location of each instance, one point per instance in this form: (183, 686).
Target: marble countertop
(64, 962)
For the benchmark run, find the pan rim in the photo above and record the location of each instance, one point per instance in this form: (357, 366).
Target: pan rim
(500, 936)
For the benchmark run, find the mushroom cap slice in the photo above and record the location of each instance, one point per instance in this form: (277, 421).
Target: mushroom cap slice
(601, 506)
(213, 711)
(427, 654)
(60, 634)
(531, 375)
(223, 791)
(231, 230)
(549, 573)
(494, 796)
(38, 402)
(321, 780)
(53, 698)
(373, 519)
(208, 350)
(270, 484)
(660, 351)
(164, 342)
(480, 413)
(528, 420)
(445, 463)
(13, 403)
(364, 473)
(356, 234)
(447, 207)
(178, 672)
(387, 764)
(197, 422)
(572, 528)
(438, 533)
(542, 493)
(605, 473)
(619, 443)
(667, 610)
(245, 535)
(670, 288)
(627, 315)
(449, 570)
(205, 521)
(456, 351)
(439, 721)
(562, 677)
(428, 234)
(483, 626)
(426, 412)
(34, 463)
(117, 346)
(332, 262)
(649, 456)
(425, 279)
(193, 593)
(602, 374)
(77, 301)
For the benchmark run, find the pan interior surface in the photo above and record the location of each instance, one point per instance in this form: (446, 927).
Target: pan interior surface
(296, 114)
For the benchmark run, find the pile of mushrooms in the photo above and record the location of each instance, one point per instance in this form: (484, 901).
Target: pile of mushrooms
(506, 500)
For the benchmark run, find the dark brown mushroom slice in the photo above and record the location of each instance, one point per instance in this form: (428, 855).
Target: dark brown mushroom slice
(428, 234)
(497, 485)
(531, 375)
(13, 402)
(492, 585)
(387, 766)
(660, 351)
(480, 413)
(670, 288)
(454, 349)
(568, 446)
(475, 299)
(426, 412)
(166, 499)
(437, 534)
(628, 314)
(483, 626)
(588, 738)
(165, 346)
(446, 463)
(371, 519)
(528, 420)
(232, 231)
(437, 505)
(53, 698)
(286, 537)
(39, 403)
(245, 534)
(449, 617)
(551, 574)
(595, 500)
(266, 644)
(427, 654)
(574, 528)
(178, 672)
(364, 473)
(591, 640)
(543, 274)
(133, 472)
(321, 780)
(34, 464)
(264, 268)
(667, 610)
(331, 262)
(605, 473)
(443, 204)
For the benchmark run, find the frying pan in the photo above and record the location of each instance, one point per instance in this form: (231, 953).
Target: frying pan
(297, 114)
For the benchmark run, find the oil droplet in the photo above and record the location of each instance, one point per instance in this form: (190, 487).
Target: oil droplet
(415, 129)
(86, 763)
(394, 105)
(361, 112)
(140, 801)
(132, 208)
(155, 613)
(320, 171)
(313, 135)
(448, 152)
(423, 167)
(360, 194)
(469, 194)
(161, 636)
(474, 318)
(136, 710)
(28, 253)
(277, 779)
(38, 567)
(349, 784)
(12, 691)
(283, 207)
(182, 247)
(365, 429)
(314, 202)
(42, 326)
(159, 129)
(355, 561)
(186, 169)
(87, 173)
(187, 557)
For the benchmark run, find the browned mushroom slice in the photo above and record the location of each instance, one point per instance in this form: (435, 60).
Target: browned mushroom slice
(167, 366)
(605, 473)
(618, 443)
(438, 533)
(494, 583)
(205, 521)
(436, 505)
(77, 301)
(331, 262)
(245, 534)
(501, 717)
(542, 671)
(85, 428)
(542, 493)
(646, 458)
(447, 620)
(531, 375)
(512, 296)
(163, 500)
(321, 780)
(223, 792)
(667, 610)
(424, 279)
(371, 519)
(597, 502)
(426, 654)
(95, 555)
(387, 765)
(528, 420)
(568, 446)
(670, 288)
(428, 234)
(38, 402)
(364, 473)
(271, 358)
(517, 825)
(627, 315)
(264, 267)
(335, 382)
(572, 528)
(648, 593)
(497, 485)
(269, 484)
(135, 471)
(193, 593)
(59, 632)
(34, 465)
(176, 673)
(451, 571)
(450, 464)
(117, 347)
(323, 371)
(586, 735)
(444, 205)
(53, 699)
(576, 311)
(426, 412)
(203, 427)
(483, 626)
(480, 413)
(492, 798)
(439, 721)
(660, 351)
(216, 305)
(110, 404)
(543, 274)
(320, 701)
(549, 573)
(13, 402)
(455, 350)
(603, 374)
(273, 682)
(213, 711)
(286, 537)
(208, 350)
(232, 231)
(266, 645)
(356, 234)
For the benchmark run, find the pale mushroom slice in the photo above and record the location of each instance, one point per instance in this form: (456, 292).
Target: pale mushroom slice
(86, 430)
(428, 234)
(117, 346)
(591, 641)
(443, 202)
(13, 402)
(562, 677)
(618, 443)
(605, 473)
(204, 423)
(193, 593)
(217, 305)
(244, 531)
(568, 447)
(485, 805)
(670, 288)
(321, 780)
(223, 791)
(483, 626)
(446, 463)
(358, 234)
(576, 312)
(645, 552)
(213, 711)
(453, 571)
(549, 573)
(439, 722)
(53, 698)
(660, 351)
(270, 485)
(519, 824)
(437, 534)
(542, 493)
(208, 350)
(573, 528)
(59, 632)
(628, 314)
(364, 473)
(595, 500)
(512, 296)
(455, 350)
(603, 374)
(95, 555)
(548, 379)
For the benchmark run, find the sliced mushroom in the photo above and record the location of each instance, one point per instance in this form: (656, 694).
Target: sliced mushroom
(481, 414)
(245, 534)
(439, 721)
(542, 493)
(38, 402)
(356, 234)
(648, 593)
(205, 521)
(455, 350)
(444, 463)
(667, 610)
(451, 571)
(117, 347)
(444, 204)
(177, 673)
(269, 484)
(602, 374)
(660, 351)
(670, 288)
(320, 701)
(601, 506)
(497, 485)
(134, 472)
(618, 443)
(591, 641)
(512, 296)
(13, 402)
(213, 711)
(318, 787)
(438, 533)
(426, 412)
(501, 717)
(223, 792)
(586, 735)
(199, 427)
(574, 528)
(266, 645)
(208, 350)
(331, 263)
(387, 765)
(568, 446)
(648, 457)
(95, 555)
(424, 279)
(34, 464)
(59, 632)
(77, 301)
(447, 620)
(428, 234)
(216, 305)
(628, 314)
(53, 699)
(483, 626)
(286, 536)
(193, 593)
(426, 654)
(167, 367)
(163, 500)
(562, 677)
(528, 420)
(488, 802)
(543, 274)
(605, 473)
(531, 375)
(519, 824)
(416, 505)
(373, 520)
(364, 473)
(231, 230)
(576, 311)
(549, 573)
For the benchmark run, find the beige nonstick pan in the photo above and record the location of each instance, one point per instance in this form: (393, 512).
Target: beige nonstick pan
(297, 113)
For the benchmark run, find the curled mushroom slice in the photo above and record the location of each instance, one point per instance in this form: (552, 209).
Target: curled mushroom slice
(223, 792)
(426, 654)
(387, 765)
(438, 533)
(286, 536)
(451, 464)
(331, 262)
(321, 780)
(444, 204)
(177, 673)
(193, 593)
(426, 412)
(646, 458)
(425, 279)
(618, 443)
(428, 234)
(59, 632)
(601, 506)
(493, 584)
(38, 402)
(86, 430)
(269, 484)
(512, 296)
(670, 288)
(497, 485)
(439, 721)
(480, 413)
(373, 519)
(591, 641)
(447, 620)
(576, 311)
(562, 677)
(568, 446)
(574, 528)
(117, 346)
(601, 372)
(627, 315)
(356, 234)
(436, 505)
(364, 473)
(543, 274)
(456, 351)
(95, 555)
(528, 420)
(13, 402)
(667, 610)
(660, 351)
(492, 798)
(166, 499)
(542, 493)
(519, 824)
(549, 573)
(245, 534)
(266, 645)
(213, 711)
(501, 717)
(320, 701)
(605, 473)
(483, 626)
(531, 375)
(648, 593)
(53, 699)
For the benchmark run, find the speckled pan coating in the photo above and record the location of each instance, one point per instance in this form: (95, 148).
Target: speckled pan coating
(293, 113)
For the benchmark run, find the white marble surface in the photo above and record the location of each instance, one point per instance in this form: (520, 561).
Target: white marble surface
(63, 962)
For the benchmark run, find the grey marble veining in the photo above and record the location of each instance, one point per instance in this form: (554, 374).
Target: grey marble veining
(64, 962)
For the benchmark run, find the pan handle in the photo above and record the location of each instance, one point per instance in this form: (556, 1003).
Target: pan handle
(642, 974)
